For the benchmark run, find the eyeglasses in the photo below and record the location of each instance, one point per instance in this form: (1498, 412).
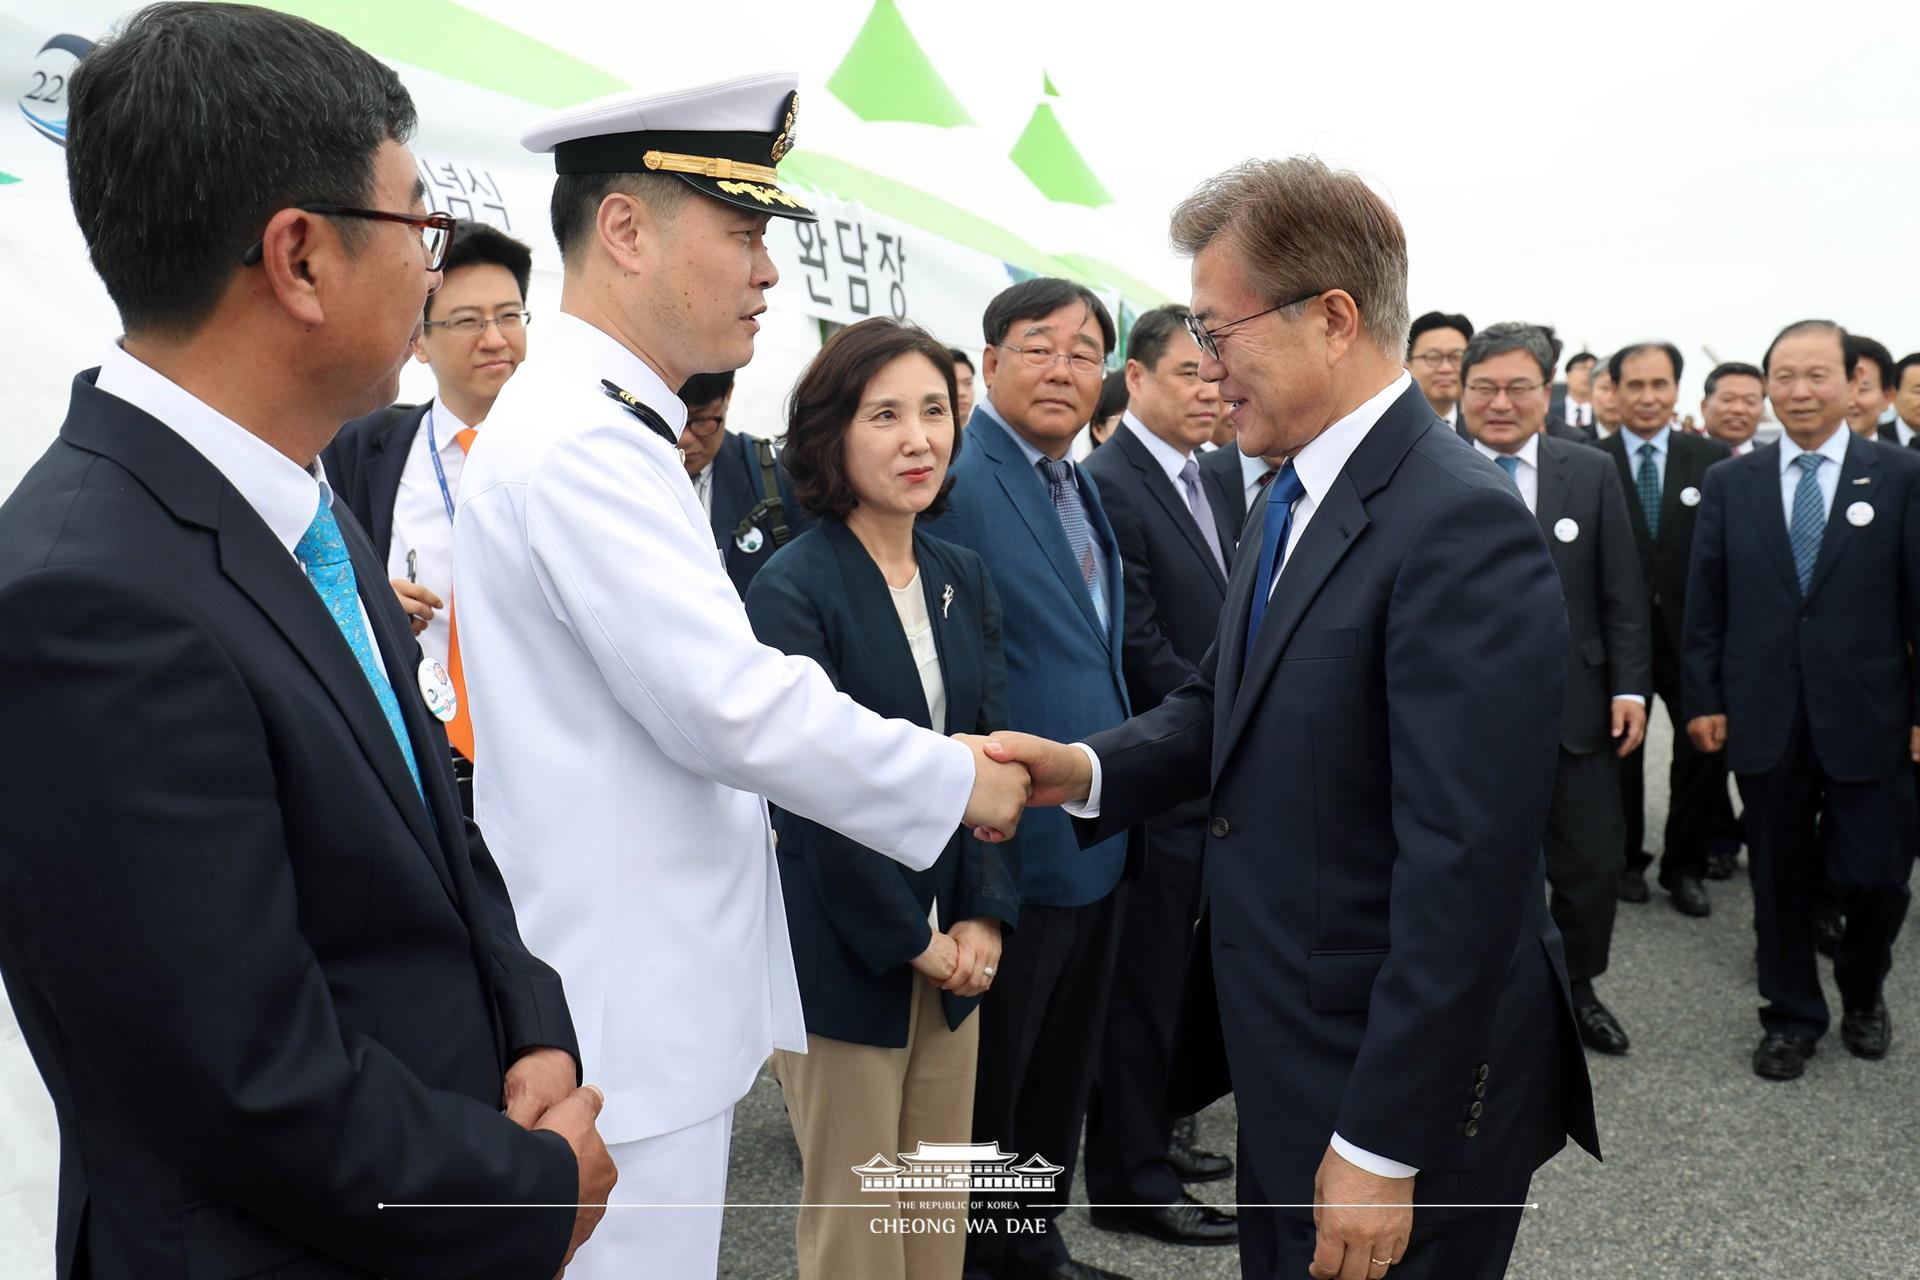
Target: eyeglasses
(510, 322)
(1079, 362)
(436, 230)
(1208, 340)
(1513, 390)
(1439, 359)
(704, 427)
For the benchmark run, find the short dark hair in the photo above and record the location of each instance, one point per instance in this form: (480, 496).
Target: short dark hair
(196, 124)
(1861, 348)
(1113, 396)
(705, 388)
(1553, 341)
(577, 198)
(1733, 369)
(826, 397)
(1799, 327)
(1604, 368)
(1439, 320)
(1619, 358)
(1580, 358)
(961, 357)
(1040, 297)
(479, 244)
(1153, 331)
(1498, 339)
(1909, 361)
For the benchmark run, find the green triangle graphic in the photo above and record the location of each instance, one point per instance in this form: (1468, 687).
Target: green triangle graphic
(887, 76)
(1050, 160)
(1046, 86)
(6, 178)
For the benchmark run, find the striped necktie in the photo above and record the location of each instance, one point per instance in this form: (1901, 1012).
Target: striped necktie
(1809, 518)
(1647, 481)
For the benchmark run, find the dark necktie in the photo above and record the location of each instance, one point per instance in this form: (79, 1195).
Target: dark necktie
(1285, 490)
(1073, 521)
(1647, 480)
(1809, 518)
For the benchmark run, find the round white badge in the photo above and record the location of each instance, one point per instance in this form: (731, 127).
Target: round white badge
(1860, 514)
(436, 688)
(751, 541)
(1566, 530)
(1689, 497)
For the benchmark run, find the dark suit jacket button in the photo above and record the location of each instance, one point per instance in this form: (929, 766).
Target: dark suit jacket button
(1473, 1112)
(1480, 1089)
(1483, 1072)
(1220, 827)
(1473, 1128)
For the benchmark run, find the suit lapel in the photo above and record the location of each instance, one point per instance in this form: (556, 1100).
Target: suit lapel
(1336, 522)
(1616, 444)
(877, 622)
(1230, 642)
(1028, 494)
(1108, 548)
(731, 491)
(1171, 501)
(1555, 483)
(385, 466)
(1858, 483)
(1762, 483)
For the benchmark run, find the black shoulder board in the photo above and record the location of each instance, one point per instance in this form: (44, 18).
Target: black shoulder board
(639, 409)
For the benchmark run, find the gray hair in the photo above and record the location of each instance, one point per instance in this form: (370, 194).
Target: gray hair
(1299, 225)
(1498, 339)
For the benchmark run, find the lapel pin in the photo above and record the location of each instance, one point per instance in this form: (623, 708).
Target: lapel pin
(1863, 480)
(436, 688)
(1860, 514)
(1566, 530)
(946, 601)
(751, 541)
(1689, 497)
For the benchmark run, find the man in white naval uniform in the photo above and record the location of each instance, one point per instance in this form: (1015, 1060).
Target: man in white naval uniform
(627, 721)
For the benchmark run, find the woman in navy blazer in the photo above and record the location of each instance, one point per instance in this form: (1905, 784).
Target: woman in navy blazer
(891, 962)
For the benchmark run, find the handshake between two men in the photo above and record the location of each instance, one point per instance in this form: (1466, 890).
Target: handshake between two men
(1014, 772)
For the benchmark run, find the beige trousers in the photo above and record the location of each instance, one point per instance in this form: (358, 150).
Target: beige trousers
(849, 1102)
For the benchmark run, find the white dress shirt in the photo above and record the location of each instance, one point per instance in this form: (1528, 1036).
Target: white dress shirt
(628, 724)
(285, 495)
(1317, 465)
(1527, 477)
(1252, 469)
(1579, 413)
(910, 602)
(1835, 450)
(1171, 460)
(703, 486)
(420, 520)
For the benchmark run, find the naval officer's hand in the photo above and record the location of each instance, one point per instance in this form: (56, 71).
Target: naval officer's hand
(573, 1119)
(1061, 774)
(999, 793)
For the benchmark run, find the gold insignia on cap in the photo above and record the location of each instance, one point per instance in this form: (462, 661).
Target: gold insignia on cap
(707, 166)
(765, 195)
(784, 142)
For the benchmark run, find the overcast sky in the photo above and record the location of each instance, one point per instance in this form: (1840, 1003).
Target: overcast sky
(1691, 172)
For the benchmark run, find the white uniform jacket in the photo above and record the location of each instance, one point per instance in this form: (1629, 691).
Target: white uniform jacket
(627, 724)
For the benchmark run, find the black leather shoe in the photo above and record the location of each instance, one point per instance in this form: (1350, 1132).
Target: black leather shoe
(1723, 865)
(1827, 928)
(1689, 896)
(1186, 1222)
(1867, 1033)
(1071, 1270)
(1186, 1131)
(1782, 1057)
(1633, 886)
(1192, 1164)
(1599, 1029)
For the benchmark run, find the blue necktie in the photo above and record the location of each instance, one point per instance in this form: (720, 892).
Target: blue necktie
(323, 554)
(1073, 520)
(1510, 465)
(1809, 520)
(1647, 480)
(1285, 490)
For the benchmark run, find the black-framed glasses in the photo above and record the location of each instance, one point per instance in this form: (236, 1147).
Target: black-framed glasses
(704, 427)
(510, 322)
(1512, 390)
(436, 230)
(1208, 339)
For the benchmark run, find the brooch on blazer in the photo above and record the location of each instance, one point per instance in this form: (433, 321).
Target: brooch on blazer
(946, 601)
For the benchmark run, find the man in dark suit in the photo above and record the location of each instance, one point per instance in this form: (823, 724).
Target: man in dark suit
(1663, 472)
(1577, 501)
(1435, 344)
(1175, 546)
(269, 975)
(1376, 969)
(398, 469)
(739, 480)
(1802, 620)
(1906, 396)
(1037, 522)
